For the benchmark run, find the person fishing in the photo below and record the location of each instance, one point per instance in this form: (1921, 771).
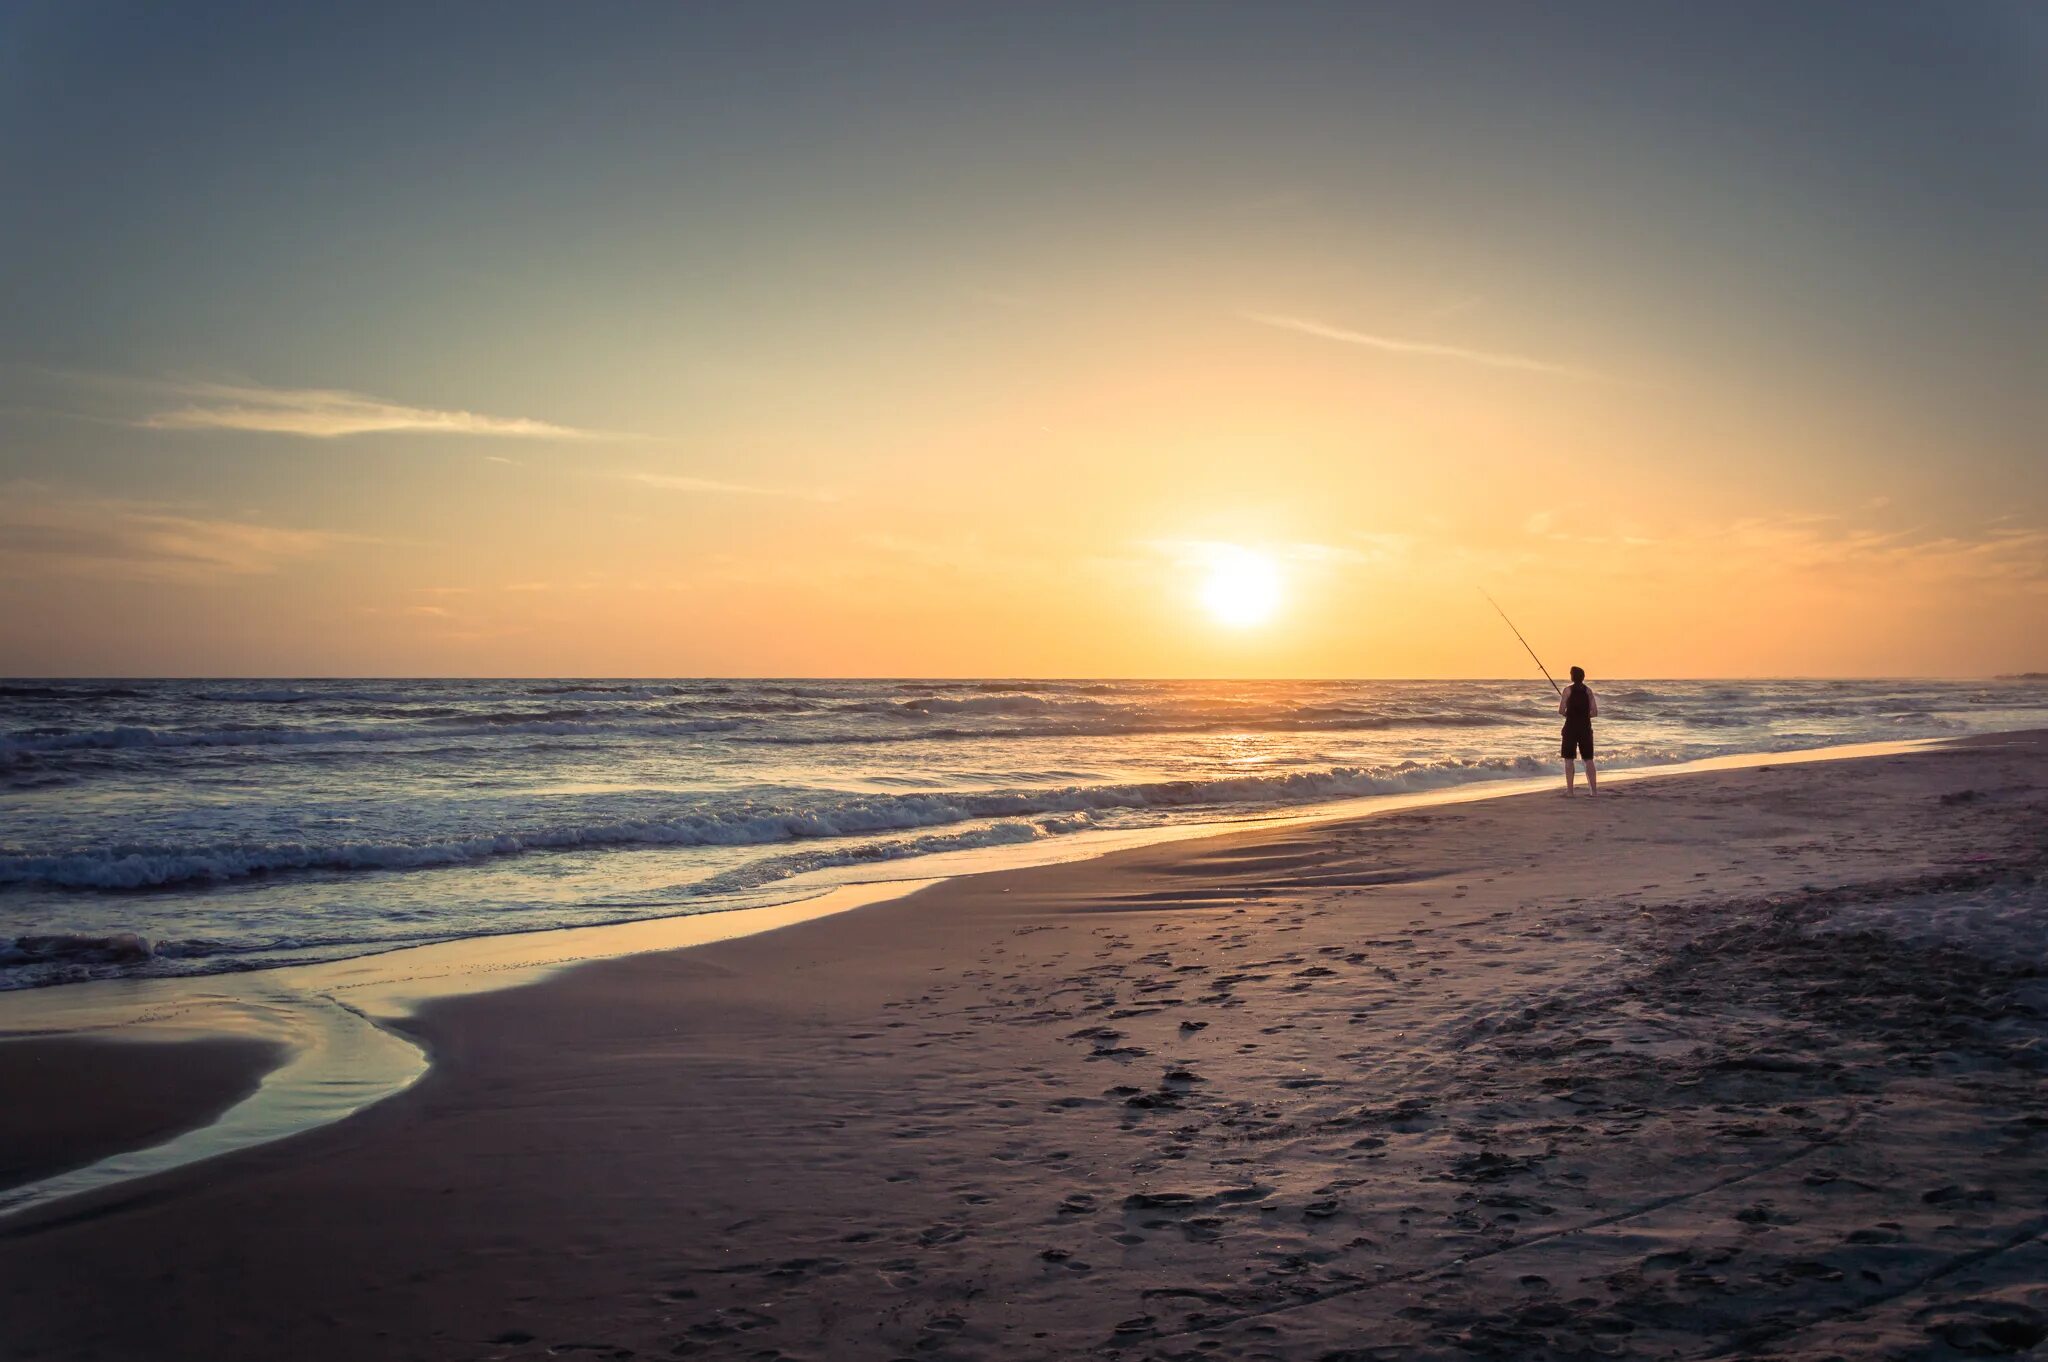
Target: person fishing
(1578, 704)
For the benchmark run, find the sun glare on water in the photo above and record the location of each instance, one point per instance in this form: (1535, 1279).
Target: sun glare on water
(1242, 588)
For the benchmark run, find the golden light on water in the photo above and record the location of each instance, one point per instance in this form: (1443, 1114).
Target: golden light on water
(1241, 588)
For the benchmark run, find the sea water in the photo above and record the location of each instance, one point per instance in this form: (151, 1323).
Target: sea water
(228, 825)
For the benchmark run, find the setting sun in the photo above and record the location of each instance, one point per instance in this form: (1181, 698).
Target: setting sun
(1242, 587)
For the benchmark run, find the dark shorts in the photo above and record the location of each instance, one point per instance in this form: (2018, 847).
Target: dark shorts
(1578, 740)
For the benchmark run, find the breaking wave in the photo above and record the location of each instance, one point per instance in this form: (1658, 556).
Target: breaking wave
(744, 824)
(995, 704)
(243, 824)
(19, 745)
(1139, 726)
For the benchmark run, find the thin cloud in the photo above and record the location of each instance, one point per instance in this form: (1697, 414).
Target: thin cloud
(1395, 345)
(2013, 556)
(1786, 548)
(1200, 552)
(674, 483)
(1457, 307)
(328, 414)
(44, 533)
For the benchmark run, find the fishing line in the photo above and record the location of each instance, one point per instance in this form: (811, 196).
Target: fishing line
(1524, 642)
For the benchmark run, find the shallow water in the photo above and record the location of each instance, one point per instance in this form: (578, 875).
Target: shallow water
(251, 824)
(332, 1023)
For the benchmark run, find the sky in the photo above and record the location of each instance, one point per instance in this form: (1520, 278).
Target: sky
(906, 340)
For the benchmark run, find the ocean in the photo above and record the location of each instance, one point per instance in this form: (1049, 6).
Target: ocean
(243, 824)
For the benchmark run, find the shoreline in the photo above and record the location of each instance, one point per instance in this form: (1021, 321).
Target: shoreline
(328, 1066)
(1518, 1077)
(335, 1029)
(1404, 786)
(111, 1098)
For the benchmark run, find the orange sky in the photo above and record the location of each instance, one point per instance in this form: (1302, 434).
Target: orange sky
(950, 353)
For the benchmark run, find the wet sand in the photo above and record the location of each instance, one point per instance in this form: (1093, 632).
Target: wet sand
(1642, 1076)
(71, 1100)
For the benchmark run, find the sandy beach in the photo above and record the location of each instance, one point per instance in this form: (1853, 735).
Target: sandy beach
(769, 683)
(1747, 1063)
(94, 1097)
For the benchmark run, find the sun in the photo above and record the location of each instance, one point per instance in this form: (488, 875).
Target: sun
(1241, 588)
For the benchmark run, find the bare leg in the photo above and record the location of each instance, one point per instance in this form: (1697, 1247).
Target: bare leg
(1571, 774)
(1592, 776)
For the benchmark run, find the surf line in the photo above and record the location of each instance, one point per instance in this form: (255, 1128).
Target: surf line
(339, 1022)
(338, 1060)
(343, 1012)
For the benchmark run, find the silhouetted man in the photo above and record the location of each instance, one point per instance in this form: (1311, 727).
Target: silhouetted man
(1578, 707)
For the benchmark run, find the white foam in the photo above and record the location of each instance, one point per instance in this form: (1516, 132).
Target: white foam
(22, 745)
(745, 824)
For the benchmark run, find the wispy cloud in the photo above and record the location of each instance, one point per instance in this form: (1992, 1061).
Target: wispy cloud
(43, 533)
(1786, 549)
(1492, 359)
(1456, 307)
(2008, 555)
(1371, 548)
(668, 482)
(1366, 550)
(327, 414)
(1548, 524)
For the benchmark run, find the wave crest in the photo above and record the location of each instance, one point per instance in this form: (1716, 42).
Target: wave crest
(21, 745)
(746, 824)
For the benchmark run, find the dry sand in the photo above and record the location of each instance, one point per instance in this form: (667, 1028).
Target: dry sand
(1648, 1076)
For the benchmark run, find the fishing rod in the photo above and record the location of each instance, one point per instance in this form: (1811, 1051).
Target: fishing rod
(1525, 644)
